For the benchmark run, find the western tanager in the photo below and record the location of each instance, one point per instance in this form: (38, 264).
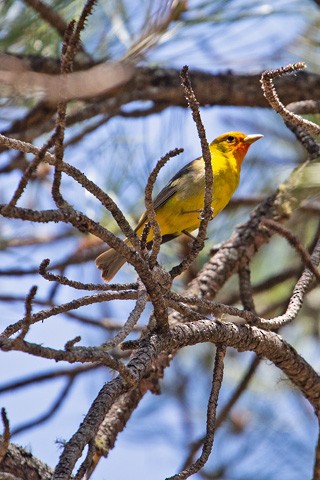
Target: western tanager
(179, 204)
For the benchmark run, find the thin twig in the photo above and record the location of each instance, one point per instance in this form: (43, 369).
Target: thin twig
(224, 412)
(62, 280)
(75, 43)
(60, 124)
(211, 418)
(28, 314)
(65, 307)
(79, 177)
(150, 213)
(103, 323)
(130, 322)
(271, 95)
(74, 355)
(206, 214)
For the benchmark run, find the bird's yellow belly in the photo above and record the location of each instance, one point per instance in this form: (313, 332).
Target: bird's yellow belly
(184, 212)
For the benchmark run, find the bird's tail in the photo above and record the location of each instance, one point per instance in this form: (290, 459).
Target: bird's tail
(109, 263)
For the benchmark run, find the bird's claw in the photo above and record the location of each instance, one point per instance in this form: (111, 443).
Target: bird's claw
(201, 216)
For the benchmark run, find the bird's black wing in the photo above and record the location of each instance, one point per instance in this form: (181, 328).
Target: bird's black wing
(167, 192)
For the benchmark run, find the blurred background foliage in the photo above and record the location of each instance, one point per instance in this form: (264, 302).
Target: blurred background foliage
(270, 433)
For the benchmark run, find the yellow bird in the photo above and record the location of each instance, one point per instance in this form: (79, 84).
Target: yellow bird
(178, 206)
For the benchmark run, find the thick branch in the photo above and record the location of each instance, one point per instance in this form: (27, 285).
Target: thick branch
(162, 87)
(242, 337)
(21, 464)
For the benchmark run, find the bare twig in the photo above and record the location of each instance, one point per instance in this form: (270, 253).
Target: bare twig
(131, 321)
(103, 323)
(76, 354)
(224, 412)
(27, 318)
(71, 343)
(272, 97)
(211, 418)
(75, 43)
(73, 305)
(62, 280)
(79, 177)
(151, 215)
(206, 214)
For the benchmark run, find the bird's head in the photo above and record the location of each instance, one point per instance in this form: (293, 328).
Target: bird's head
(235, 143)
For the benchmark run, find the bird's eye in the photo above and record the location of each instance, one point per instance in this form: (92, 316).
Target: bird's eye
(230, 139)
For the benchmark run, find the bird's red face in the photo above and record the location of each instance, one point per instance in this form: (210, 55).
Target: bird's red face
(238, 143)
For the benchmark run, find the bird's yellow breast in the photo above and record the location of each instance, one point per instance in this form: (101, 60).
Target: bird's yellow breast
(183, 209)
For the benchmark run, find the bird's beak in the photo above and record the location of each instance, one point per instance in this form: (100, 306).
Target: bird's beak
(252, 138)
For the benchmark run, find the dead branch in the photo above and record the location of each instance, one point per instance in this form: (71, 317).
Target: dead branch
(151, 216)
(242, 337)
(272, 97)
(224, 412)
(211, 418)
